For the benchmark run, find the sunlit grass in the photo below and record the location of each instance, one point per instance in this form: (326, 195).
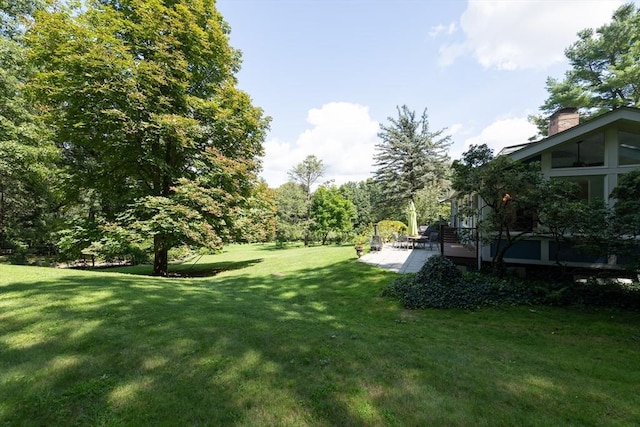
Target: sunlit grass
(297, 337)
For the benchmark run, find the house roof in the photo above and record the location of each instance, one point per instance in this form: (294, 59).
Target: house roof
(623, 114)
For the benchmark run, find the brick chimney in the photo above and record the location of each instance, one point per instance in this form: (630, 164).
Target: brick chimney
(562, 120)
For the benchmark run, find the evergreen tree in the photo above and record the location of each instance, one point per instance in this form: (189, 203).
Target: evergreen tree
(605, 70)
(409, 157)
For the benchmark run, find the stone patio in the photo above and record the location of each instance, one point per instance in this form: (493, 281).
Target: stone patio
(400, 260)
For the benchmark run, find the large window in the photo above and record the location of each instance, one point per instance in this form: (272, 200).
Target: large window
(591, 187)
(628, 148)
(585, 152)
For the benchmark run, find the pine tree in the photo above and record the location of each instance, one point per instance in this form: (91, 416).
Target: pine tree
(410, 157)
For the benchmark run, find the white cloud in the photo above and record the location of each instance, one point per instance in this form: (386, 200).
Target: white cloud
(503, 132)
(443, 29)
(524, 34)
(342, 135)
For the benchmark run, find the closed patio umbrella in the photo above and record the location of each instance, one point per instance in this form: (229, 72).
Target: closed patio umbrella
(412, 220)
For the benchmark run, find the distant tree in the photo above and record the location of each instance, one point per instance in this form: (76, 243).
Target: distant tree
(605, 69)
(257, 220)
(331, 212)
(307, 173)
(409, 157)
(143, 99)
(291, 205)
(429, 205)
(359, 194)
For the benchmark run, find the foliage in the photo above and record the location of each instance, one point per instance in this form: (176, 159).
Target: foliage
(359, 193)
(439, 284)
(307, 173)
(439, 269)
(143, 102)
(331, 212)
(256, 222)
(387, 227)
(627, 204)
(27, 155)
(409, 157)
(291, 205)
(429, 208)
(510, 190)
(605, 69)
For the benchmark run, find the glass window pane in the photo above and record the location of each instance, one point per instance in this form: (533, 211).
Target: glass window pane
(591, 187)
(628, 148)
(573, 154)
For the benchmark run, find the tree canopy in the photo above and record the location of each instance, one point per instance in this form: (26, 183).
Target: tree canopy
(605, 69)
(142, 98)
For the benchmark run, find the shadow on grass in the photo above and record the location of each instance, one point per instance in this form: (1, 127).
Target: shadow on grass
(93, 348)
(312, 347)
(186, 269)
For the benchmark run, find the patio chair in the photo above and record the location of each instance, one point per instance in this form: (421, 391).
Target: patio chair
(403, 242)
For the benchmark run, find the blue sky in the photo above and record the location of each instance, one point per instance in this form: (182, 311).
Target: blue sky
(329, 72)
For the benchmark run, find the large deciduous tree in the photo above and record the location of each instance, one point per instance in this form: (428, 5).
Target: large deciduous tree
(409, 157)
(605, 69)
(143, 98)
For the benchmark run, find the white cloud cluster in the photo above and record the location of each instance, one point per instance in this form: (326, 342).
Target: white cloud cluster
(501, 133)
(524, 34)
(342, 135)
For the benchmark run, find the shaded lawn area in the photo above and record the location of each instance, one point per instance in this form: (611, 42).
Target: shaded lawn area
(298, 337)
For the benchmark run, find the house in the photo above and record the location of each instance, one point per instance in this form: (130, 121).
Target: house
(594, 154)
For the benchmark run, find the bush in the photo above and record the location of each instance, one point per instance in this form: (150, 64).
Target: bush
(438, 285)
(387, 227)
(439, 269)
(19, 254)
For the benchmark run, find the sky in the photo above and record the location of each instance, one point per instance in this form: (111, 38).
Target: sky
(330, 72)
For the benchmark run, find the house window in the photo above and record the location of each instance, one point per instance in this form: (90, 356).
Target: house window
(591, 187)
(628, 148)
(582, 153)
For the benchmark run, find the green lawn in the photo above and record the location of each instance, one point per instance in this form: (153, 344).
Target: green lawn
(298, 337)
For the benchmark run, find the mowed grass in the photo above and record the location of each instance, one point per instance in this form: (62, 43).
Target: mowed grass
(298, 337)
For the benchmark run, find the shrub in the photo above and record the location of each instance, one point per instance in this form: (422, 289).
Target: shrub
(399, 286)
(438, 286)
(439, 269)
(387, 227)
(19, 254)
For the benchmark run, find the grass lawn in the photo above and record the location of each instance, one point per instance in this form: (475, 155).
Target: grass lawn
(298, 337)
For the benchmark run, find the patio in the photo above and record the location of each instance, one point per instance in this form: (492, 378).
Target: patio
(400, 260)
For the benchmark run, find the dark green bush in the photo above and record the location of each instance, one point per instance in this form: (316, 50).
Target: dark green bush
(439, 269)
(472, 290)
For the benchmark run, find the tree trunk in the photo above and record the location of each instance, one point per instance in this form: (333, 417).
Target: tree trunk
(160, 255)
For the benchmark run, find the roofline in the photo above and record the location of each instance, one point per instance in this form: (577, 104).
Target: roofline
(622, 113)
